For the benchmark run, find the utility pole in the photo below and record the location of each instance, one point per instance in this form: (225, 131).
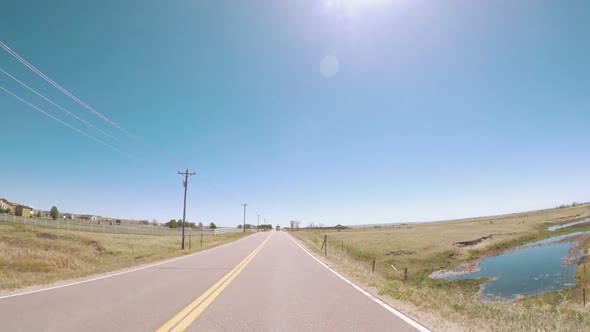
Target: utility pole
(244, 227)
(258, 225)
(185, 183)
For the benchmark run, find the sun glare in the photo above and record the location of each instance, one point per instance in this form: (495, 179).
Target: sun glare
(351, 9)
(358, 4)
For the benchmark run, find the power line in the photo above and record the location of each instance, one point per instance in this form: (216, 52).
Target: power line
(62, 122)
(61, 108)
(66, 92)
(86, 106)
(76, 99)
(222, 193)
(185, 183)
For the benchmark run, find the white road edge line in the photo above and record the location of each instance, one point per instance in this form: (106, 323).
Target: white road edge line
(114, 274)
(387, 307)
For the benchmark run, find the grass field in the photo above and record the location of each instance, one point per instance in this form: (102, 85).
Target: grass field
(444, 305)
(36, 256)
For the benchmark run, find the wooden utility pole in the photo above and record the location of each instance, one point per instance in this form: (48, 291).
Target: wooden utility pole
(185, 184)
(244, 226)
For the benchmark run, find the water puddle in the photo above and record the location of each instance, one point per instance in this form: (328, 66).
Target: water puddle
(543, 266)
(554, 228)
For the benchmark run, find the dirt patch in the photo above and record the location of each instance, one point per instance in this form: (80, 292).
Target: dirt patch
(400, 252)
(461, 269)
(100, 250)
(472, 242)
(47, 236)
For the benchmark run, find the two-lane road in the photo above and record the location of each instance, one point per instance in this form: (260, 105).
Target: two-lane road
(264, 282)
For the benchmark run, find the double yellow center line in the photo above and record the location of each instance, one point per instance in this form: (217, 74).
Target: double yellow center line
(188, 315)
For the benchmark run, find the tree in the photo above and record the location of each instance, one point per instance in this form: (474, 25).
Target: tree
(38, 214)
(311, 225)
(54, 213)
(172, 223)
(200, 225)
(212, 225)
(240, 226)
(292, 223)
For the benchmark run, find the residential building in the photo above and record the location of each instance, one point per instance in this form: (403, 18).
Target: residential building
(6, 205)
(23, 211)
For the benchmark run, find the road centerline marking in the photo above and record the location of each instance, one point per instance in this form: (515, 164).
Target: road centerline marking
(187, 315)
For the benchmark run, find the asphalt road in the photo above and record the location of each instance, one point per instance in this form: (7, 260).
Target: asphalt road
(264, 282)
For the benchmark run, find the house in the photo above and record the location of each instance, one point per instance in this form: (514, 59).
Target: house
(5, 205)
(23, 211)
(88, 217)
(67, 216)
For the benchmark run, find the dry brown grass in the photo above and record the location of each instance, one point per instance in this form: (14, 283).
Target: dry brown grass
(35, 256)
(443, 305)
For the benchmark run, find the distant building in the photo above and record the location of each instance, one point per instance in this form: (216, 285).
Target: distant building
(88, 217)
(67, 216)
(23, 211)
(6, 205)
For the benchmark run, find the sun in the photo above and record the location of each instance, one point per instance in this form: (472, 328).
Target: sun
(351, 9)
(358, 4)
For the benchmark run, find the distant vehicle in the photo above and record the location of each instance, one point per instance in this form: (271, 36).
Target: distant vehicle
(278, 228)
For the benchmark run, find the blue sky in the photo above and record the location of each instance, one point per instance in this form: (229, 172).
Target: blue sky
(439, 109)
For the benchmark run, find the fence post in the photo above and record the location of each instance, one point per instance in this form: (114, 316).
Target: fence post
(201, 239)
(58, 224)
(373, 269)
(68, 225)
(79, 226)
(325, 245)
(90, 227)
(405, 274)
(189, 242)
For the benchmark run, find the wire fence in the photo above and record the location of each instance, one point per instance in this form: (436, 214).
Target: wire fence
(114, 228)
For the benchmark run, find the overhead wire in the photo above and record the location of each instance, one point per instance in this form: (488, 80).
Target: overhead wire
(62, 122)
(77, 100)
(89, 108)
(61, 108)
(66, 92)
